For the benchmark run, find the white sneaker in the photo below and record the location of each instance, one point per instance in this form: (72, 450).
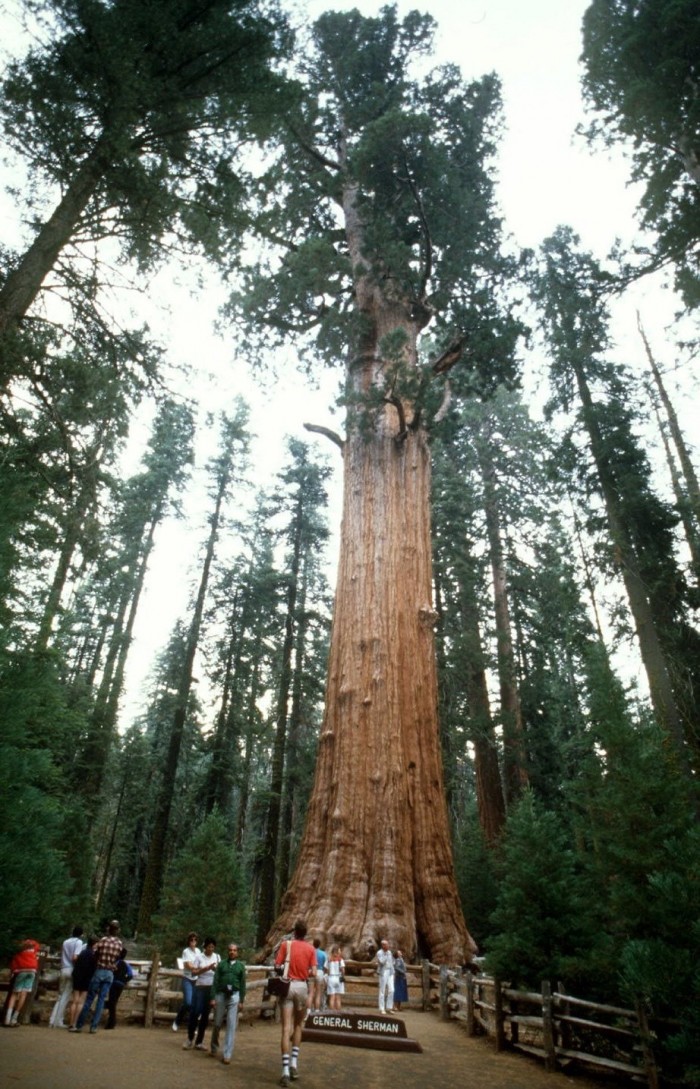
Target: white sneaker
(175, 1026)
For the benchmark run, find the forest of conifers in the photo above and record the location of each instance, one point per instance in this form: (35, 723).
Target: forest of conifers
(519, 572)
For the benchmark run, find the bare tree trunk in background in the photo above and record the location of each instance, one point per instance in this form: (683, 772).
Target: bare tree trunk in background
(514, 760)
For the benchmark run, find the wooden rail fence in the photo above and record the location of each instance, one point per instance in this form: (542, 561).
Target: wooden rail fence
(557, 1027)
(152, 998)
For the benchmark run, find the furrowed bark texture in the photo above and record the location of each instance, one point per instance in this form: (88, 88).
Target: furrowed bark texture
(376, 859)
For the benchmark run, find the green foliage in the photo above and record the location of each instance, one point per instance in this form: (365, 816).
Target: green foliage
(541, 924)
(39, 731)
(477, 877)
(205, 889)
(641, 79)
(373, 151)
(154, 100)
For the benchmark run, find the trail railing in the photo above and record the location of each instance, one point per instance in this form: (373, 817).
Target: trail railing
(559, 1028)
(154, 997)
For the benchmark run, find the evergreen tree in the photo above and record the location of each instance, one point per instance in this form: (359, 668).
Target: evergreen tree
(302, 502)
(136, 113)
(640, 526)
(230, 461)
(205, 888)
(541, 923)
(365, 250)
(641, 78)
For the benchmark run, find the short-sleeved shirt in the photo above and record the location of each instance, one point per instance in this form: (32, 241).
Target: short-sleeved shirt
(107, 952)
(301, 960)
(189, 956)
(69, 952)
(205, 979)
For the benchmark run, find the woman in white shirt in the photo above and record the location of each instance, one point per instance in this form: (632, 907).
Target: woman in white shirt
(335, 978)
(203, 968)
(188, 980)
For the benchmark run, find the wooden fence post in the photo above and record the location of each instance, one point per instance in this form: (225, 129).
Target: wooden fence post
(652, 1072)
(444, 1008)
(150, 1006)
(471, 1026)
(425, 965)
(550, 1053)
(564, 1026)
(498, 1015)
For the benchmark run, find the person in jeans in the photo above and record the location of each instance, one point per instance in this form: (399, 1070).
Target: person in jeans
(228, 991)
(188, 979)
(106, 952)
(302, 965)
(203, 967)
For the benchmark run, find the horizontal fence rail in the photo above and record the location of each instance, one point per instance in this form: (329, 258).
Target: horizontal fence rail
(152, 998)
(556, 1027)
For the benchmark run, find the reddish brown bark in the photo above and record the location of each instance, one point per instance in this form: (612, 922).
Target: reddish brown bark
(376, 858)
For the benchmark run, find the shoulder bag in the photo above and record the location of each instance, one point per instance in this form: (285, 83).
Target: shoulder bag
(278, 985)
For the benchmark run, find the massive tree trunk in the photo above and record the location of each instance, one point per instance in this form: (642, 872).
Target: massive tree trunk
(375, 860)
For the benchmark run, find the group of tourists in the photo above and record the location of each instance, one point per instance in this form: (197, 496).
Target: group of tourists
(92, 971)
(210, 983)
(95, 972)
(312, 972)
(316, 982)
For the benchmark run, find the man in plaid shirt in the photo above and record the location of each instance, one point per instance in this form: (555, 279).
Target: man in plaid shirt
(106, 952)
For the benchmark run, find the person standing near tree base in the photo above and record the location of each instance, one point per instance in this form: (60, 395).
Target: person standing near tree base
(385, 971)
(302, 965)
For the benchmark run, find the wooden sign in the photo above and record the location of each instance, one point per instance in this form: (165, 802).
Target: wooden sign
(358, 1030)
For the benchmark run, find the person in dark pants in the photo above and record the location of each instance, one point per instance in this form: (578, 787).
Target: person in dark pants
(123, 972)
(203, 969)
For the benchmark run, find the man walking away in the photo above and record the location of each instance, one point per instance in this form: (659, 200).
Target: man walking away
(302, 964)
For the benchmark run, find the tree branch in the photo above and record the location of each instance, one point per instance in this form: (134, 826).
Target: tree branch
(317, 429)
(392, 399)
(330, 164)
(450, 356)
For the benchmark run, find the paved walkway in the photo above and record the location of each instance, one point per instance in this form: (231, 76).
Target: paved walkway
(36, 1057)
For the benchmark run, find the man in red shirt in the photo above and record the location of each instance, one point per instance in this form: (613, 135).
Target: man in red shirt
(302, 964)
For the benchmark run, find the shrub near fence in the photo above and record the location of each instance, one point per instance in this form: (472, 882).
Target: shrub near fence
(556, 1027)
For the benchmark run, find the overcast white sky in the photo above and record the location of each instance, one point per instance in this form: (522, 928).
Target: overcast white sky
(548, 176)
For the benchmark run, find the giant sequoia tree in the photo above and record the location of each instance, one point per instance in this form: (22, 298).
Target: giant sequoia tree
(380, 208)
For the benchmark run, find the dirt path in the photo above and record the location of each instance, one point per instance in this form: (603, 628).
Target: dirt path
(36, 1057)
